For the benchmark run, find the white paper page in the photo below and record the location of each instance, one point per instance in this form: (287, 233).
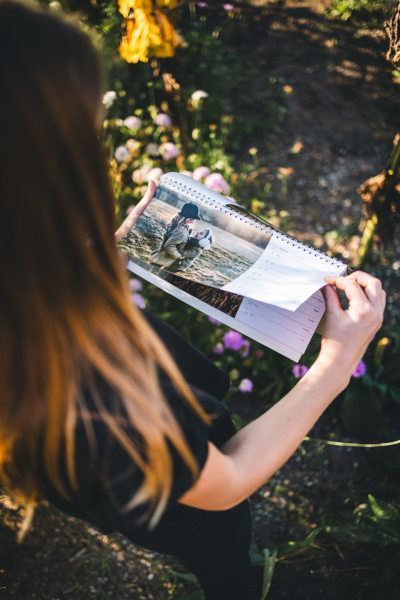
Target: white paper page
(293, 328)
(284, 276)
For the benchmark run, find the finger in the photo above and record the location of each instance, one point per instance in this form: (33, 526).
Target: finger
(142, 205)
(372, 287)
(354, 292)
(332, 302)
(136, 212)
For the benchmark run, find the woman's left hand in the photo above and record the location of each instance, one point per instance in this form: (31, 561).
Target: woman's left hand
(136, 212)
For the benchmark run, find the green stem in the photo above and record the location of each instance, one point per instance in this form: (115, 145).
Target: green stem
(366, 240)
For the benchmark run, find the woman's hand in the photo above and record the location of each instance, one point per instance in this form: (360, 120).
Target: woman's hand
(347, 333)
(136, 212)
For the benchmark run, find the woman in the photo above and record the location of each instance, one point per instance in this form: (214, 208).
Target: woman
(193, 249)
(96, 416)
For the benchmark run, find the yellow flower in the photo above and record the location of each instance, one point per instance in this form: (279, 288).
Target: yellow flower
(125, 6)
(148, 35)
(170, 39)
(171, 4)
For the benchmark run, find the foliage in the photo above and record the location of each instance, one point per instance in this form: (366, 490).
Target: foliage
(378, 391)
(375, 527)
(364, 12)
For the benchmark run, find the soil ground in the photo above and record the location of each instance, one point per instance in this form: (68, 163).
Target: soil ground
(343, 110)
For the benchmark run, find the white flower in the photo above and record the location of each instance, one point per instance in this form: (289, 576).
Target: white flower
(109, 98)
(152, 149)
(122, 154)
(140, 175)
(199, 95)
(154, 174)
(132, 122)
(132, 145)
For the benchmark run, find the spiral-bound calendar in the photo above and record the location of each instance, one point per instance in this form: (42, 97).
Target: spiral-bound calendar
(213, 254)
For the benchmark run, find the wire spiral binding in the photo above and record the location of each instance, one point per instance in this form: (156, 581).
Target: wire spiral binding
(195, 191)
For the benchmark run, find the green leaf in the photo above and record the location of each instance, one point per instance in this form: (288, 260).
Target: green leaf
(384, 510)
(395, 394)
(186, 576)
(269, 566)
(292, 547)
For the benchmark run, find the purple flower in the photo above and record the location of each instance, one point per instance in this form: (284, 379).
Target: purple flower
(219, 348)
(135, 285)
(245, 349)
(299, 371)
(169, 151)
(138, 300)
(246, 385)
(132, 122)
(216, 182)
(201, 173)
(233, 340)
(228, 7)
(360, 369)
(214, 321)
(122, 154)
(163, 120)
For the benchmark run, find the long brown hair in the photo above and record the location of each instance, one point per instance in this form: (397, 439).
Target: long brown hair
(65, 311)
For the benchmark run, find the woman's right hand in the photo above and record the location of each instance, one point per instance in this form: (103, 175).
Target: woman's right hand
(347, 333)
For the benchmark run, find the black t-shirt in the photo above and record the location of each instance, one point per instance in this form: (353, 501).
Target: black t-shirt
(108, 479)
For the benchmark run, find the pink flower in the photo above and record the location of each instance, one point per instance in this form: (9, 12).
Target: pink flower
(245, 349)
(138, 300)
(169, 151)
(299, 371)
(163, 120)
(246, 385)
(233, 340)
(132, 122)
(360, 369)
(228, 7)
(202, 4)
(122, 154)
(216, 182)
(219, 348)
(135, 285)
(201, 173)
(214, 321)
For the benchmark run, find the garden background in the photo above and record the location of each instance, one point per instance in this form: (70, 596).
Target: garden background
(289, 107)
